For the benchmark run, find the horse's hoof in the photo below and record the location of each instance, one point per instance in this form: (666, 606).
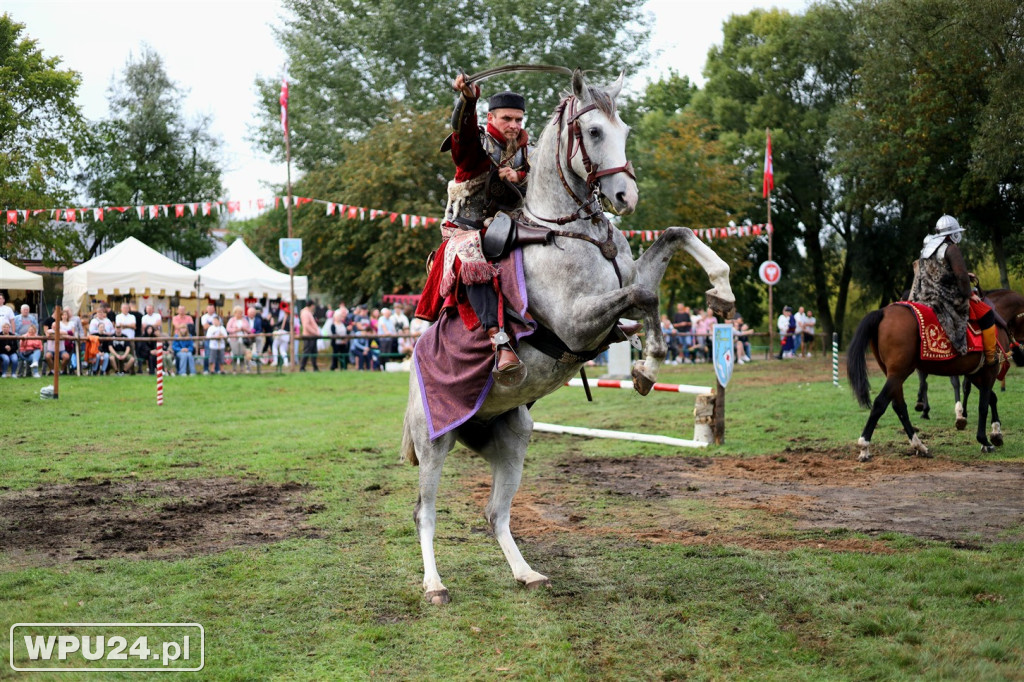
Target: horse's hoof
(919, 407)
(986, 449)
(997, 440)
(721, 306)
(438, 597)
(919, 447)
(642, 383)
(537, 584)
(961, 423)
(864, 457)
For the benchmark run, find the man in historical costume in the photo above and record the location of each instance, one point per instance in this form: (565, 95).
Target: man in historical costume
(943, 282)
(491, 166)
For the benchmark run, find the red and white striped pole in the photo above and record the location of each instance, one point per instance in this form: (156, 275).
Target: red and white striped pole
(159, 375)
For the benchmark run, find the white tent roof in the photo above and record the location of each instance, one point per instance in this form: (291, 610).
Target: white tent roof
(129, 267)
(13, 277)
(240, 271)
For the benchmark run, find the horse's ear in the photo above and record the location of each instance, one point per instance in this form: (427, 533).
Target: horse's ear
(579, 88)
(615, 88)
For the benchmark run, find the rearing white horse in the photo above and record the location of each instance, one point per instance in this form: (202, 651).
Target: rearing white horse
(578, 289)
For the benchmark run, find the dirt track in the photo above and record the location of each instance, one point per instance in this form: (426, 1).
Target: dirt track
(965, 504)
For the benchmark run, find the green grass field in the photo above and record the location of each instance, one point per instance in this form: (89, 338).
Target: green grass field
(341, 598)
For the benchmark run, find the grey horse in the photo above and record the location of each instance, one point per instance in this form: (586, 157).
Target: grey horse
(577, 289)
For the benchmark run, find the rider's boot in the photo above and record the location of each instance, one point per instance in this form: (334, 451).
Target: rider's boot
(988, 341)
(507, 362)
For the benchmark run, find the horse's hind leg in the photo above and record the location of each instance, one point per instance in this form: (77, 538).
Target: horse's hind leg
(922, 405)
(984, 395)
(505, 450)
(877, 410)
(899, 406)
(431, 456)
(960, 406)
(997, 430)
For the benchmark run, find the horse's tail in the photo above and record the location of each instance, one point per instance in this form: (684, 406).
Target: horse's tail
(407, 450)
(856, 362)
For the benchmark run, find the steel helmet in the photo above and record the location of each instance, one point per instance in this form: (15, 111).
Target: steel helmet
(948, 227)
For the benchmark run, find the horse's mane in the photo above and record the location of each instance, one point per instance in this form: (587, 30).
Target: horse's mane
(598, 95)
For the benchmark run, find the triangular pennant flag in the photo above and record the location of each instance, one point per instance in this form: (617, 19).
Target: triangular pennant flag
(12, 217)
(206, 208)
(141, 210)
(394, 217)
(353, 211)
(69, 215)
(97, 214)
(260, 204)
(330, 208)
(234, 206)
(179, 210)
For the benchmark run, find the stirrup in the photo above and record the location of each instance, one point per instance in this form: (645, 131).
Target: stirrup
(512, 375)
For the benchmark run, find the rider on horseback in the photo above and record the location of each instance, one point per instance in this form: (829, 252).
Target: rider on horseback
(943, 282)
(491, 166)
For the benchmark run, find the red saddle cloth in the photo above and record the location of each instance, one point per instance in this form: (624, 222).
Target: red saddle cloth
(935, 344)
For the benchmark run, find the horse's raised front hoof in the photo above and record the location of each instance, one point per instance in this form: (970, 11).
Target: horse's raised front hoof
(643, 382)
(961, 423)
(722, 306)
(986, 449)
(438, 597)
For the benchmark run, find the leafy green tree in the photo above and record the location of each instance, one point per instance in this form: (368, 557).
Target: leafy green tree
(929, 130)
(789, 73)
(146, 152)
(41, 129)
(365, 259)
(351, 63)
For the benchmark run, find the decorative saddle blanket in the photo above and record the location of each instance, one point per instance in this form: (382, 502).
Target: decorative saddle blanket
(453, 361)
(935, 344)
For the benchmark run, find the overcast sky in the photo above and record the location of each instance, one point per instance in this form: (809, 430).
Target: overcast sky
(216, 48)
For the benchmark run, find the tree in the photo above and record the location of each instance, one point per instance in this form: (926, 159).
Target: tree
(790, 73)
(350, 63)
(685, 179)
(147, 153)
(934, 126)
(41, 129)
(364, 259)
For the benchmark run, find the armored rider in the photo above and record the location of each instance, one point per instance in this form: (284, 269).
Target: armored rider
(491, 167)
(943, 282)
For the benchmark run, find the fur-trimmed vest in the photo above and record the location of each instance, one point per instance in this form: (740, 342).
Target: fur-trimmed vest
(936, 285)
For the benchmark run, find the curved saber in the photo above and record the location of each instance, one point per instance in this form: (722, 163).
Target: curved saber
(513, 68)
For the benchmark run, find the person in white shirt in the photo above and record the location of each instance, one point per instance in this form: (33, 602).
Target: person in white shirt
(6, 312)
(215, 342)
(100, 325)
(126, 320)
(152, 319)
(808, 333)
(799, 316)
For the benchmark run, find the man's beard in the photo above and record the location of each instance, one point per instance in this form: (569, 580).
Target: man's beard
(511, 149)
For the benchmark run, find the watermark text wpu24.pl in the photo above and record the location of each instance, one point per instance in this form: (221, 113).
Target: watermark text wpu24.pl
(99, 647)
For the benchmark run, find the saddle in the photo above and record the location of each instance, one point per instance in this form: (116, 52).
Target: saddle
(935, 343)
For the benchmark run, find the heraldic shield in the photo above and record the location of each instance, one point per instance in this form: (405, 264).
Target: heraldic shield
(290, 251)
(724, 352)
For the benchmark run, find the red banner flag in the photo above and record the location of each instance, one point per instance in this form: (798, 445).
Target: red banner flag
(12, 217)
(284, 106)
(769, 179)
(179, 210)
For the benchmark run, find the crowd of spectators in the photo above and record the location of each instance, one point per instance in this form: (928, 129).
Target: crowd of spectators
(101, 342)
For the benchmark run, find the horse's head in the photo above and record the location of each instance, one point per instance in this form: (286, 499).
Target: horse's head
(601, 139)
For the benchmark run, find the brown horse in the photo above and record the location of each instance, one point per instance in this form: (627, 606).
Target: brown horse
(1009, 305)
(894, 338)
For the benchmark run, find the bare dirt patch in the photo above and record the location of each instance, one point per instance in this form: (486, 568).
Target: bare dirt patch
(148, 519)
(964, 504)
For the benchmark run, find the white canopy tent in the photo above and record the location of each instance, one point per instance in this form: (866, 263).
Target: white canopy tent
(13, 277)
(240, 271)
(129, 267)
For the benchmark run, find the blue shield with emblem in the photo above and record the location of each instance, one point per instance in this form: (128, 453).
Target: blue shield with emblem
(724, 351)
(290, 251)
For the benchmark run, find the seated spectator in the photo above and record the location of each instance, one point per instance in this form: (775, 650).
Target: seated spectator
(8, 350)
(238, 338)
(121, 352)
(101, 355)
(741, 334)
(361, 354)
(68, 334)
(22, 321)
(215, 342)
(30, 351)
(184, 351)
(145, 349)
